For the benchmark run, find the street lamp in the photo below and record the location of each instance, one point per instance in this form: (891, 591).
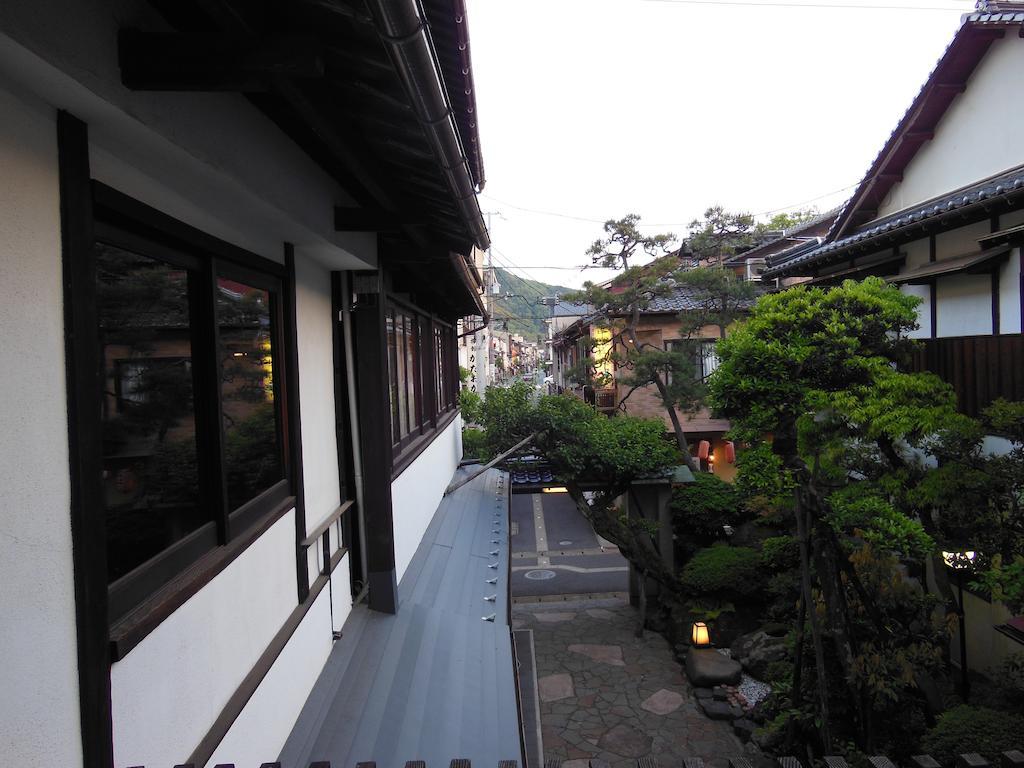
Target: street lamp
(960, 562)
(700, 635)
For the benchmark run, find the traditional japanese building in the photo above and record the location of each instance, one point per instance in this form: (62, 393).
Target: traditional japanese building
(235, 239)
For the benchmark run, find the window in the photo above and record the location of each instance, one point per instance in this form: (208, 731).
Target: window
(191, 413)
(705, 356)
(421, 371)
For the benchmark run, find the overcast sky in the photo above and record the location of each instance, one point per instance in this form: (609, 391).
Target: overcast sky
(598, 108)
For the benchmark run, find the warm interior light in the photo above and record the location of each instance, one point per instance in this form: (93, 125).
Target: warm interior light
(959, 559)
(700, 634)
(558, 489)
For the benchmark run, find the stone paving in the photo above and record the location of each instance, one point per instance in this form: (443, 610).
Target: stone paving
(607, 695)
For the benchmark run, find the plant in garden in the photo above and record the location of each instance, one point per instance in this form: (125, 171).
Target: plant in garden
(471, 405)
(816, 370)
(701, 508)
(723, 572)
(966, 729)
(718, 298)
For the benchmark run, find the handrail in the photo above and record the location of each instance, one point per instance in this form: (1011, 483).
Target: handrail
(317, 532)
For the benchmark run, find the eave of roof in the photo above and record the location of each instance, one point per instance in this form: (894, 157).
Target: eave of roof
(1005, 189)
(947, 80)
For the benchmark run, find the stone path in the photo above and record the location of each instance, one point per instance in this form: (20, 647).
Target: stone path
(605, 694)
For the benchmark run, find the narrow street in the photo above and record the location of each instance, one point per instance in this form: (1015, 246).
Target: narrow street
(601, 692)
(555, 552)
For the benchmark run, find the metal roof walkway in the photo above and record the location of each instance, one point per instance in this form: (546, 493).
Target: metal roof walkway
(437, 679)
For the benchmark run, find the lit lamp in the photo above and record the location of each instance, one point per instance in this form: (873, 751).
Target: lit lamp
(700, 635)
(960, 562)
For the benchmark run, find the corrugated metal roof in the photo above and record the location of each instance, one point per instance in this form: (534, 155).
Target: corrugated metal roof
(435, 680)
(1010, 183)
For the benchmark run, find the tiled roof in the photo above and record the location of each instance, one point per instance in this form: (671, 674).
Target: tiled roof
(1009, 184)
(682, 299)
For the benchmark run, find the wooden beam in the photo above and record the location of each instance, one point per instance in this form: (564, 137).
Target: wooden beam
(350, 219)
(179, 62)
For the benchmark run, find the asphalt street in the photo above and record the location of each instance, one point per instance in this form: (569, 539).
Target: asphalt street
(555, 552)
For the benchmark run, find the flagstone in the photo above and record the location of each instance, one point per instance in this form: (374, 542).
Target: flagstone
(555, 687)
(662, 702)
(606, 654)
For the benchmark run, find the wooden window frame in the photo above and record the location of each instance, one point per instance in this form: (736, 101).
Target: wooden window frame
(140, 600)
(435, 382)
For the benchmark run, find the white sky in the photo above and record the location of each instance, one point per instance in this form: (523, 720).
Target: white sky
(598, 108)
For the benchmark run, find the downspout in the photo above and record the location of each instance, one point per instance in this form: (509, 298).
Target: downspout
(353, 414)
(403, 31)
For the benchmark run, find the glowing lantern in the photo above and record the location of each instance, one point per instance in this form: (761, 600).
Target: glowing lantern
(730, 452)
(703, 449)
(700, 635)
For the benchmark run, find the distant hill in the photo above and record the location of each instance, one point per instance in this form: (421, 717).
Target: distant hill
(523, 310)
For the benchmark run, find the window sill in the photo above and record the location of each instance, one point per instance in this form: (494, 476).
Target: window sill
(411, 452)
(130, 630)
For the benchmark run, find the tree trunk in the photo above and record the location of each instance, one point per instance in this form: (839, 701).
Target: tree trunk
(677, 425)
(796, 697)
(819, 648)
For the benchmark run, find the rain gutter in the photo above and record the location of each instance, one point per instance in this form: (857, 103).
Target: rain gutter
(402, 28)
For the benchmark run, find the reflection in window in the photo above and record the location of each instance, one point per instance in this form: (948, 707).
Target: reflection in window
(252, 453)
(150, 478)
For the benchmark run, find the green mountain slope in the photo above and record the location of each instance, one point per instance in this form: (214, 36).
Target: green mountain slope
(522, 310)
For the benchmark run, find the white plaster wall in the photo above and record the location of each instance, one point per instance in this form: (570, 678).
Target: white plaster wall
(961, 241)
(964, 305)
(416, 493)
(39, 713)
(924, 316)
(316, 391)
(169, 689)
(188, 155)
(274, 707)
(978, 137)
(1009, 293)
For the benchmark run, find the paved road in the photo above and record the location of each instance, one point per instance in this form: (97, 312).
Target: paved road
(556, 552)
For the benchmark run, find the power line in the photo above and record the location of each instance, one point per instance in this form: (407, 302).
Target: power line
(836, 6)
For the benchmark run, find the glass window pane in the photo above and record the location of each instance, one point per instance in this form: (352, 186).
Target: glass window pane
(252, 455)
(150, 462)
(411, 371)
(403, 405)
(392, 375)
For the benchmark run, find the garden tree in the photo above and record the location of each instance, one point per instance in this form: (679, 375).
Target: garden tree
(718, 297)
(815, 369)
(782, 222)
(720, 234)
(586, 447)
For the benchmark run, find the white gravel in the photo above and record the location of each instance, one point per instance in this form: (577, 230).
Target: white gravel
(753, 690)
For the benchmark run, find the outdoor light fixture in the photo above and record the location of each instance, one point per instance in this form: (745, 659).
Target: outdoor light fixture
(558, 489)
(700, 635)
(960, 562)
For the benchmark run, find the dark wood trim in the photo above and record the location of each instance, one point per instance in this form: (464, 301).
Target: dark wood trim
(293, 423)
(995, 300)
(931, 248)
(375, 440)
(251, 682)
(317, 532)
(136, 216)
(933, 305)
(129, 631)
(412, 451)
(84, 392)
(350, 532)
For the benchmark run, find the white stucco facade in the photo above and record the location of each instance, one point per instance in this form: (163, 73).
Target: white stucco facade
(978, 137)
(39, 673)
(416, 493)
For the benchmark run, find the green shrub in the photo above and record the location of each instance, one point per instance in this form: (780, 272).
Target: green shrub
(966, 729)
(780, 553)
(471, 405)
(473, 444)
(723, 571)
(703, 507)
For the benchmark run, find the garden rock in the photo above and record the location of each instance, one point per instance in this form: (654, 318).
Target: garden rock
(744, 728)
(719, 710)
(707, 668)
(703, 693)
(756, 650)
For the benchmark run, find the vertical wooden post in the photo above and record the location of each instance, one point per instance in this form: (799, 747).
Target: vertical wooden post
(372, 382)
(84, 392)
